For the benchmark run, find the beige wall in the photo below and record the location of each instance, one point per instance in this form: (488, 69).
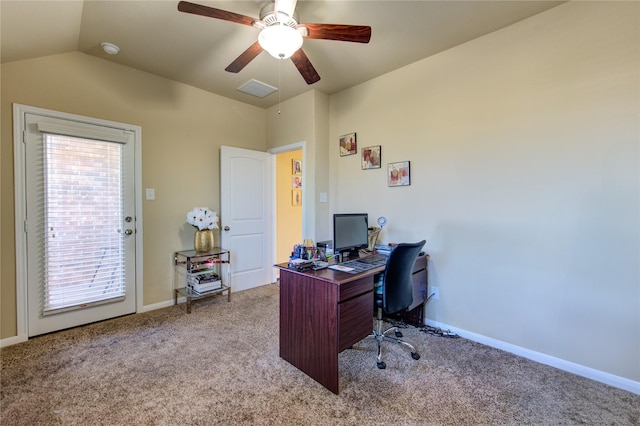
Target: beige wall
(524, 150)
(305, 120)
(182, 130)
(288, 216)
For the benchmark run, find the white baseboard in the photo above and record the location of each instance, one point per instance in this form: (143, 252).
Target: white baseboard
(13, 340)
(561, 364)
(165, 304)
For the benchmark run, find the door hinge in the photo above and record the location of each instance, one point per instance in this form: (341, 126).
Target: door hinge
(25, 226)
(24, 136)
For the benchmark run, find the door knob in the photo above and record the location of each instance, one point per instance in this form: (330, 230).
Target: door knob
(226, 228)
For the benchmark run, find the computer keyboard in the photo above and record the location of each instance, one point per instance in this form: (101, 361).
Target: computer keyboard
(360, 265)
(374, 258)
(319, 264)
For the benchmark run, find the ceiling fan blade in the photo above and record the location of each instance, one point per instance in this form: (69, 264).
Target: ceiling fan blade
(210, 12)
(245, 57)
(302, 62)
(354, 33)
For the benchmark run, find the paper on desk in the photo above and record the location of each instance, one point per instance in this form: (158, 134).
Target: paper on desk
(341, 268)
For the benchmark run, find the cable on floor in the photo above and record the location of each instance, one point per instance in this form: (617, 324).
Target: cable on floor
(424, 328)
(438, 331)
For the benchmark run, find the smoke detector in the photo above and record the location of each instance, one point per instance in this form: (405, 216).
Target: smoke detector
(110, 48)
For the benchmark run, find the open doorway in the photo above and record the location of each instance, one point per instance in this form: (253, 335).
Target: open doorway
(289, 190)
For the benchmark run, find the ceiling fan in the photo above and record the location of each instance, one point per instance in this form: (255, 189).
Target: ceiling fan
(281, 34)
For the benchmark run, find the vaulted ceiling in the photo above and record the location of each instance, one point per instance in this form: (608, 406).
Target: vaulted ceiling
(155, 37)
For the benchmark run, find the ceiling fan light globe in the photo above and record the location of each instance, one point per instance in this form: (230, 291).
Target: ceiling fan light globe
(281, 41)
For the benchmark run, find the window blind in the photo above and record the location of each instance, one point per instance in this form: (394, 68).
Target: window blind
(85, 131)
(83, 210)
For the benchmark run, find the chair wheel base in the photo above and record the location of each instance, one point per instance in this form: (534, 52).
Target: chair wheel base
(382, 365)
(415, 355)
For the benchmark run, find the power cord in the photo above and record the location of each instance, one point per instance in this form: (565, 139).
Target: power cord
(438, 332)
(424, 328)
(435, 330)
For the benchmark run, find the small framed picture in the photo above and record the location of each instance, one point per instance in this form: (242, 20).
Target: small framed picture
(296, 197)
(399, 174)
(371, 157)
(296, 167)
(348, 144)
(296, 182)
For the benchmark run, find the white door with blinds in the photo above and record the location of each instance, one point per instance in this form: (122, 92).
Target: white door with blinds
(80, 222)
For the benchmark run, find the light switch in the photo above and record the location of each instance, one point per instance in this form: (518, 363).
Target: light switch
(151, 194)
(323, 197)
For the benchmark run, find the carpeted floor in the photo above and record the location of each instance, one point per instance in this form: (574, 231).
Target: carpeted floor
(220, 365)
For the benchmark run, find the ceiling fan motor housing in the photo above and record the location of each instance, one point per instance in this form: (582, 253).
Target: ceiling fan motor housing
(279, 35)
(269, 16)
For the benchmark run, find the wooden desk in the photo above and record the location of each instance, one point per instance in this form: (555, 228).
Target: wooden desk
(325, 312)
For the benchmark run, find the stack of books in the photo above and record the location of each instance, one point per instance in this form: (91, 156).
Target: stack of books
(202, 281)
(383, 249)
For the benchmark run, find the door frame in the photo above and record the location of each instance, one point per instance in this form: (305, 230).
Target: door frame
(19, 158)
(307, 196)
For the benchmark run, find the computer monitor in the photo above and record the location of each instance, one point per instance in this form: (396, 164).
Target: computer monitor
(350, 233)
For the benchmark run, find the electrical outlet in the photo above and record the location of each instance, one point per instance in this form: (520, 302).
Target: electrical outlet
(435, 292)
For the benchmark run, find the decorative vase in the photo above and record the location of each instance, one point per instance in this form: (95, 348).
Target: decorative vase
(203, 241)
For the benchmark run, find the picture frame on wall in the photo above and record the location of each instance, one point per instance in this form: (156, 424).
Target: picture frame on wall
(296, 197)
(296, 167)
(348, 144)
(371, 157)
(399, 173)
(296, 182)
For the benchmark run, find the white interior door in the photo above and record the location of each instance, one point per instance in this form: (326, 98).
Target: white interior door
(246, 215)
(80, 221)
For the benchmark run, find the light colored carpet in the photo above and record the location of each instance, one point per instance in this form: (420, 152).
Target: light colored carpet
(220, 365)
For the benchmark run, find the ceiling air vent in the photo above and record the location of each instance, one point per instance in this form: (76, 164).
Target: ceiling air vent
(257, 88)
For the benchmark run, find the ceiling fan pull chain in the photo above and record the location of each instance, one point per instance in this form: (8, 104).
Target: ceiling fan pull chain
(279, 83)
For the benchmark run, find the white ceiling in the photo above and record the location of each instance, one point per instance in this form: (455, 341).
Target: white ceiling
(155, 37)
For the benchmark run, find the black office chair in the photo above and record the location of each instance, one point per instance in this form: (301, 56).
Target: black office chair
(395, 294)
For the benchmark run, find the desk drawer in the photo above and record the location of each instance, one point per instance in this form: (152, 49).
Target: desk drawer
(356, 287)
(356, 319)
(421, 264)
